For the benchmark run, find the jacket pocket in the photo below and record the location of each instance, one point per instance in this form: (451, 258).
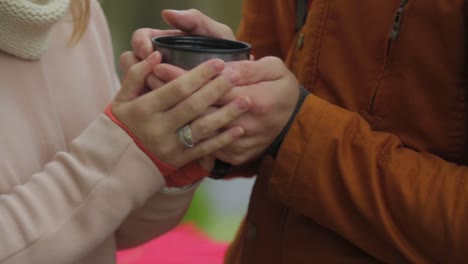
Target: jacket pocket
(392, 38)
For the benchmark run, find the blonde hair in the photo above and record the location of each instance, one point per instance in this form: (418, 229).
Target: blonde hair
(81, 12)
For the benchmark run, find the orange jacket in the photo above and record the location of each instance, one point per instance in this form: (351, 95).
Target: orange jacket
(374, 167)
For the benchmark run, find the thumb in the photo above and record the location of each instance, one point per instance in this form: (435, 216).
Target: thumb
(195, 22)
(134, 80)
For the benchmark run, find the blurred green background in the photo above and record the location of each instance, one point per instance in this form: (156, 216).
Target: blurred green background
(218, 206)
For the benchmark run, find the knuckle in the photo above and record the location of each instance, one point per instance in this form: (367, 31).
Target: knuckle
(204, 150)
(133, 71)
(136, 35)
(190, 107)
(272, 60)
(179, 90)
(225, 29)
(124, 60)
(202, 129)
(153, 82)
(206, 73)
(195, 12)
(140, 112)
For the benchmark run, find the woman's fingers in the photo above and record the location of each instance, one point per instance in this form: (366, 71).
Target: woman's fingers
(127, 60)
(208, 125)
(134, 82)
(201, 100)
(167, 72)
(178, 90)
(213, 144)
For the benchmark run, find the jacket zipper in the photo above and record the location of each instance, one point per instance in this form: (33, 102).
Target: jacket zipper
(396, 27)
(397, 21)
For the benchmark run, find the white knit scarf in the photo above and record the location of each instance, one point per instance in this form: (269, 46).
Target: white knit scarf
(25, 25)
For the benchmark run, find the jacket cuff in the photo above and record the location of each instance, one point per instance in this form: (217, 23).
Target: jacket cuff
(292, 152)
(275, 146)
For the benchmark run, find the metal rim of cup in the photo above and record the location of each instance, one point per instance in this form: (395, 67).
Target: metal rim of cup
(202, 44)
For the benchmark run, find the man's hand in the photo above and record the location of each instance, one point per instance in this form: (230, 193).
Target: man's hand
(185, 22)
(273, 91)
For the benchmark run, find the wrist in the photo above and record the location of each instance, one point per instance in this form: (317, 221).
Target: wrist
(273, 149)
(163, 167)
(186, 175)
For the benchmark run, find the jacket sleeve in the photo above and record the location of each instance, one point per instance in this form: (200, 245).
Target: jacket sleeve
(397, 204)
(79, 199)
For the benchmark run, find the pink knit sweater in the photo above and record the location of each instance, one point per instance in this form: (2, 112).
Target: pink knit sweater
(73, 185)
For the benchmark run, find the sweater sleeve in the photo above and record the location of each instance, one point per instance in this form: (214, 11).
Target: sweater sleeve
(78, 200)
(397, 204)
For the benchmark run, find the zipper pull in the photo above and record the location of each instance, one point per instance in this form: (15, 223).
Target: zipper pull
(397, 21)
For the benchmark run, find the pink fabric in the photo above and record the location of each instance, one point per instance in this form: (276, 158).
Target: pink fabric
(185, 244)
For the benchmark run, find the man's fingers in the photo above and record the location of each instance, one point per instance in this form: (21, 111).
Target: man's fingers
(141, 40)
(265, 69)
(195, 22)
(134, 82)
(209, 124)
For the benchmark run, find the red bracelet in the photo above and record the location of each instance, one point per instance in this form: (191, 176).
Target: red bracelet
(174, 177)
(186, 175)
(163, 167)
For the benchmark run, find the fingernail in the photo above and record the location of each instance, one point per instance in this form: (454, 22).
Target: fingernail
(151, 81)
(218, 65)
(243, 103)
(237, 132)
(160, 71)
(232, 76)
(151, 58)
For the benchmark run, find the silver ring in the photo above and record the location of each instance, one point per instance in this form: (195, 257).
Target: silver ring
(185, 136)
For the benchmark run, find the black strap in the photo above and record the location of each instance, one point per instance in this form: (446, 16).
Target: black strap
(220, 169)
(275, 146)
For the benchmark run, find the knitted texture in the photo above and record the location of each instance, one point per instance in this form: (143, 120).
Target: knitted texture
(25, 25)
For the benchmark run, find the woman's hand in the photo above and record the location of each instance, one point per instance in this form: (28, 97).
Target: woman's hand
(155, 117)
